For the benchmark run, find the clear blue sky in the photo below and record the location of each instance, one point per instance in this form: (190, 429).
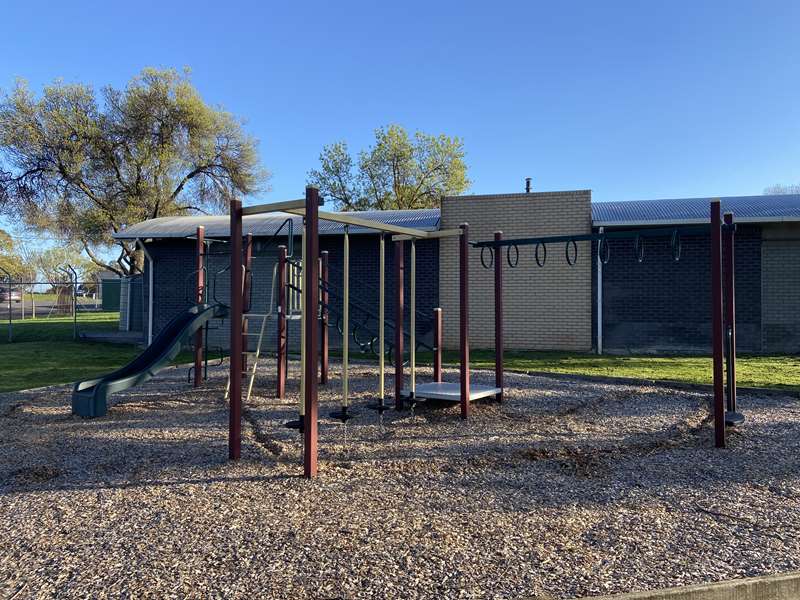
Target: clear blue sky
(630, 99)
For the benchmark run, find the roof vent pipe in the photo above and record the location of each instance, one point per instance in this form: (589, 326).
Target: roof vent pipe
(527, 185)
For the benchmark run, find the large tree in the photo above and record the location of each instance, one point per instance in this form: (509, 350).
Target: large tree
(10, 260)
(396, 172)
(80, 166)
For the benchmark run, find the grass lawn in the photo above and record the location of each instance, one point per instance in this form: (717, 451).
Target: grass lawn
(44, 352)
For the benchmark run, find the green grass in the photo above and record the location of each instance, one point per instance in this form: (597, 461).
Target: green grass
(778, 372)
(44, 352)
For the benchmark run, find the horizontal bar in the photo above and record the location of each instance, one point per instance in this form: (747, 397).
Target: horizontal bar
(366, 223)
(288, 205)
(427, 235)
(609, 235)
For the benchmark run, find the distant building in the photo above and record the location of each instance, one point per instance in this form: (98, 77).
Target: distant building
(657, 305)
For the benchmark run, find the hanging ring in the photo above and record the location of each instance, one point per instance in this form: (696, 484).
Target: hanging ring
(574, 245)
(540, 260)
(638, 248)
(516, 256)
(603, 250)
(675, 245)
(491, 257)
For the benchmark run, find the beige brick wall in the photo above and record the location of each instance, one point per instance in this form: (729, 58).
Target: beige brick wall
(780, 288)
(546, 308)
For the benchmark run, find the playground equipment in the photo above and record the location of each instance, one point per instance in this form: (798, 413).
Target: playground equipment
(90, 397)
(723, 328)
(308, 207)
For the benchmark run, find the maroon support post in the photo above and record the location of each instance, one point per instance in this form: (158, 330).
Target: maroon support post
(730, 315)
(463, 316)
(716, 322)
(280, 392)
(248, 281)
(235, 422)
(399, 268)
(437, 345)
(311, 291)
(323, 367)
(498, 317)
(201, 285)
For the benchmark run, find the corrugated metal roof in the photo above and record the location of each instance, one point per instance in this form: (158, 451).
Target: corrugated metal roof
(752, 209)
(426, 219)
(746, 209)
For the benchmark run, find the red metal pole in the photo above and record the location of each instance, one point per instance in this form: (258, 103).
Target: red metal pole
(323, 367)
(463, 316)
(716, 321)
(311, 291)
(235, 423)
(280, 392)
(201, 284)
(498, 317)
(437, 345)
(730, 313)
(248, 282)
(399, 268)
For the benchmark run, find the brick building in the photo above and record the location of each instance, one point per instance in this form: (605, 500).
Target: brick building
(656, 305)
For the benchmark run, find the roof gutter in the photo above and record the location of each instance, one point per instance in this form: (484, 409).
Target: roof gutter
(670, 222)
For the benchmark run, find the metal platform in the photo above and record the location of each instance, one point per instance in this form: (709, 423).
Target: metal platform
(450, 392)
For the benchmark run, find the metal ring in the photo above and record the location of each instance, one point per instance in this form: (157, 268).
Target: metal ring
(516, 256)
(491, 257)
(675, 245)
(604, 257)
(540, 260)
(574, 246)
(638, 248)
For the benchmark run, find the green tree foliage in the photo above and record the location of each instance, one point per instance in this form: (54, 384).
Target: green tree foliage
(396, 172)
(80, 167)
(10, 260)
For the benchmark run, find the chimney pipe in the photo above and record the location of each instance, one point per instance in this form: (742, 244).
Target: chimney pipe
(527, 185)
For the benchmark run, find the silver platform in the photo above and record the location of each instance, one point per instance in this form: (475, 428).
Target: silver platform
(450, 392)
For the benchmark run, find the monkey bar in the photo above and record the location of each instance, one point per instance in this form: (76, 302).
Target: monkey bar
(310, 351)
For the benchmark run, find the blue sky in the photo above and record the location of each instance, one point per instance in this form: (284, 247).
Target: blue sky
(633, 100)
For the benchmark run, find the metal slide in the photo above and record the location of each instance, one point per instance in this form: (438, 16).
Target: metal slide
(90, 397)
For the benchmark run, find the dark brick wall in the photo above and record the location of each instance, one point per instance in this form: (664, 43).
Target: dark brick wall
(660, 305)
(173, 283)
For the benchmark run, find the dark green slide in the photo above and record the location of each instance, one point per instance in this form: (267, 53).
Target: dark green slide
(90, 398)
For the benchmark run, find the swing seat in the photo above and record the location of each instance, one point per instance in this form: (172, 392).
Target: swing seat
(450, 392)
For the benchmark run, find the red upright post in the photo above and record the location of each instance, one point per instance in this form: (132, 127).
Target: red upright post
(311, 291)
(201, 285)
(280, 392)
(729, 264)
(247, 283)
(235, 422)
(399, 268)
(716, 321)
(463, 316)
(437, 345)
(323, 367)
(498, 316)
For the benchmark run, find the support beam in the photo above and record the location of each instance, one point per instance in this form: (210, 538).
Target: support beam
(399, 268)
(235, 395)
(260, 209)
(427, 235)
(311, 293)
(280, 392)
(716, 323)
(346, 319)
(324, 320)
(200, 247)
(412, 321)
(599, 298)
(381, 319)
(437, 345)
(498, 317)
(463, 317)
(732, 416)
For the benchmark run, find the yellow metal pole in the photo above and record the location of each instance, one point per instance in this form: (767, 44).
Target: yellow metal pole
(381, 319)
(412, 307)
(303, 330)
(346, 320)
